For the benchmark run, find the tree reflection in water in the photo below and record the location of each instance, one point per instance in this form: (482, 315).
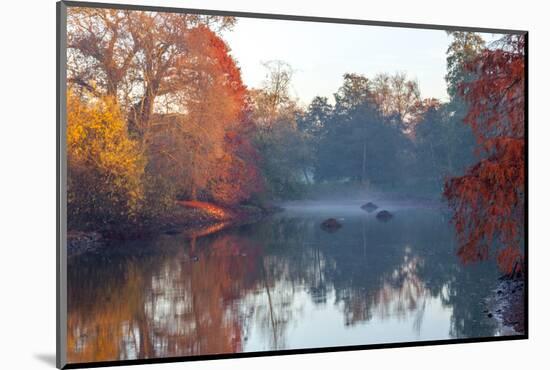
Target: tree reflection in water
(156, 305)
(179, 296)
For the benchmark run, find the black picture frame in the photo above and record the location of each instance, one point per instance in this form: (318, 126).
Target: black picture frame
(61, 186)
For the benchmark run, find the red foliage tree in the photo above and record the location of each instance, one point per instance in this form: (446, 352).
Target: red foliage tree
(488, 201)
(237, 177)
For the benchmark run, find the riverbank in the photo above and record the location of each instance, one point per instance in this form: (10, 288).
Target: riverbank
(507, 305)
(79, 242)
(189, 218)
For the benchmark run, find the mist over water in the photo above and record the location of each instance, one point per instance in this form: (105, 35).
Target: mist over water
(341, 204)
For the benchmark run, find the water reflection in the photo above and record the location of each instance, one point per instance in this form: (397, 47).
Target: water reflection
(281, 283)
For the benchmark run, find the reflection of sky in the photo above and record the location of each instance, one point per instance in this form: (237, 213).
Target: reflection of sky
(323, 326)
(321, 53)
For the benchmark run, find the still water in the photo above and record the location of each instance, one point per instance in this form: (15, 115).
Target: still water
(282, 283)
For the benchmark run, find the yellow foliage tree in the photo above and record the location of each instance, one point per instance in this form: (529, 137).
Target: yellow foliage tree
(105, 166)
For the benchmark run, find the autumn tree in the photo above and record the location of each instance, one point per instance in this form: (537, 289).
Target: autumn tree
(100, 51)
(235, 174)
(180, 93)
(489, 200)
(398, 98)
(189, 139)
(197, 143)
(105, 166)
(138, 57)
(273, 102)
(238, 177)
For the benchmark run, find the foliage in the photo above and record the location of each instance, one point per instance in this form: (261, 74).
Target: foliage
(488, 200)
(445, 145)
(357, 142)
(180, 103)
(398, 98)
(105, 166)
(192, 147)
(463, 49)
(238, 177)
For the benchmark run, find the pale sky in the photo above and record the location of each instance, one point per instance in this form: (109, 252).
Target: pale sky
(320, 54)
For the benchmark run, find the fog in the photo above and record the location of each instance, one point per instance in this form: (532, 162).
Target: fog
(350, 204)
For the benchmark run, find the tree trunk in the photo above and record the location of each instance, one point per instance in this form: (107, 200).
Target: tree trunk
(139, 122)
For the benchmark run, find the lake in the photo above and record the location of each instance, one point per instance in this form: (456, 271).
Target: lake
(281, 283)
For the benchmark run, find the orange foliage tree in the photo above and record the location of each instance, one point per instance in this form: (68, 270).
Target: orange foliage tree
(180, 99)
(234, 176)
(488, 201)
(205, 147)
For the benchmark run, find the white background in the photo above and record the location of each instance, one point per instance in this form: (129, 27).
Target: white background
(27, 204)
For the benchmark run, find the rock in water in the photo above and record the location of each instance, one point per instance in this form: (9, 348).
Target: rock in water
(330, 225)
(369, 207)
(384, 216)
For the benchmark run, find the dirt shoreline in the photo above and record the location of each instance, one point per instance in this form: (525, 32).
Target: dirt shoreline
(191, 222)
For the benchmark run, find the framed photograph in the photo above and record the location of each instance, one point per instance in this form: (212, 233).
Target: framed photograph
(236, 184)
